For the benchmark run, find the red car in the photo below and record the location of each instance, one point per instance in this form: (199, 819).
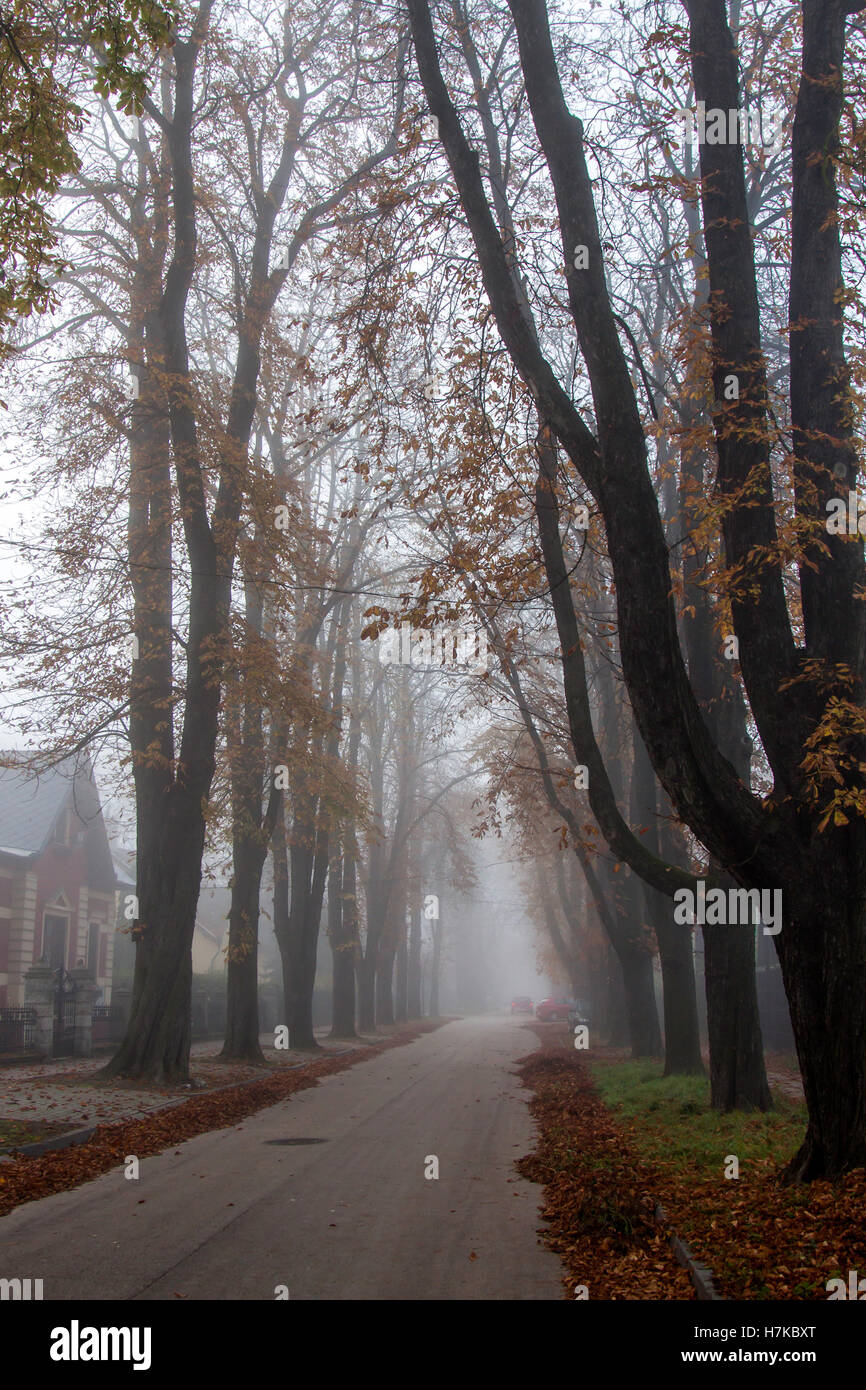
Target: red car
(553, 1010)
(522, 1004)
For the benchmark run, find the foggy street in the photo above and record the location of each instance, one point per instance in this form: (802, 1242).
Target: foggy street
(432, 672)
(237, 1213)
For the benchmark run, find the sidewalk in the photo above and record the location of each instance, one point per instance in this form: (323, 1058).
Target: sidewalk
(784, 1074)
(56, 1163)
(40, 1100)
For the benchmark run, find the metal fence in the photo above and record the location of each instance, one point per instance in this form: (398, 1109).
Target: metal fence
(108, 1024)
(17, 1026)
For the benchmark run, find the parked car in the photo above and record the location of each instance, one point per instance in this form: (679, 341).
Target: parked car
(553, 1010)
(578, 1013)
(521, 1004)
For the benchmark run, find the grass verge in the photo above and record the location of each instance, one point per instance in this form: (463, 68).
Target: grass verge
(13, 1133)
(676, 1127)
(761, 1239)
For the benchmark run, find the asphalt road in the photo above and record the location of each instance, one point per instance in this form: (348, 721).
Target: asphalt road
(237, 1213)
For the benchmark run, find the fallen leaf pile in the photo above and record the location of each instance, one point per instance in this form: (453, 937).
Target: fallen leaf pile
(765, 1239)
(27, 1178)
(598, 1196)
(761, 1238)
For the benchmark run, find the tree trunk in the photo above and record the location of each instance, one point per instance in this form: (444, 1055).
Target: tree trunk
(299, 955)
(624, 901)
(738, 1076)
(414, 1008)
(682, 1034)
(156, 1043)
(375, 883)
(367, 993)
(822, 952)
(384, 987)
(565, 945)
(251, 829)
(157, 1040)
(636, 962)
(299, 1007)
(345, 942)
(395, 989)
(680, 1004)
(242, 984)
(643, 1019)
(279, 851)
(401, 1002)
(342, 929)
(614, 1016)
(314, 752)
(436, 965)
(738, 1079)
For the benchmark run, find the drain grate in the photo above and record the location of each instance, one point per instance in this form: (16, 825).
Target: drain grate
(295, 1141)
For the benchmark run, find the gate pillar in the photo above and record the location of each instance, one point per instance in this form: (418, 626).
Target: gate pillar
(39, 996)
(85, 991)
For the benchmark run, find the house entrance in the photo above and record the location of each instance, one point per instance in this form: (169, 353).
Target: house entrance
(64, 1015)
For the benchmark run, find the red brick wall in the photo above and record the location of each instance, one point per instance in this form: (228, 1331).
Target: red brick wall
(59, 870)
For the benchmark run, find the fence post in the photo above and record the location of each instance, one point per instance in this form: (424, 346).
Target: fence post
(39, 995)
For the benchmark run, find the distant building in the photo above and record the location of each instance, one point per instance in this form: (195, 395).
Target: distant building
(211, 930)
(211, 925)
(57, 879)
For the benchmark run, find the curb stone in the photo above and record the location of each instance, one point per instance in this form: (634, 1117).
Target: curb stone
(700, 1274)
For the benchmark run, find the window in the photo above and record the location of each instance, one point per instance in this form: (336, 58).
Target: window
(54, 940)
(93, 948)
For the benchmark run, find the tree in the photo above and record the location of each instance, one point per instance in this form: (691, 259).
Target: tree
(44, 52)
(805, 698)
(172, 787)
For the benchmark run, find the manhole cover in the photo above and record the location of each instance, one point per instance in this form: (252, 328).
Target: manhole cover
(295, 1141)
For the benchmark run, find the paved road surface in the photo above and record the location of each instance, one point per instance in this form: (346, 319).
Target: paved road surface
(233, 1214)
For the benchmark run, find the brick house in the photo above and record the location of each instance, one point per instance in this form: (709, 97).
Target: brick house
(57, 879)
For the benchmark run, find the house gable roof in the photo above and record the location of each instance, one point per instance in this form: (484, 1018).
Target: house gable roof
(31, 803)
